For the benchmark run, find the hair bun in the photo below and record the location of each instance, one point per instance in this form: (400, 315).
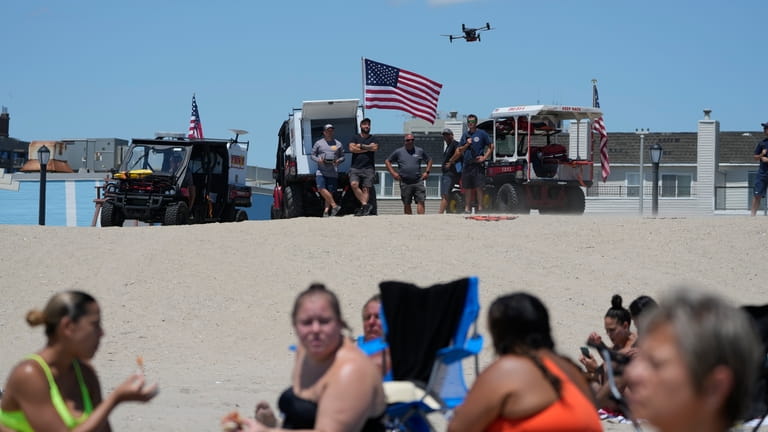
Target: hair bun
(35, 317)
(616, 301)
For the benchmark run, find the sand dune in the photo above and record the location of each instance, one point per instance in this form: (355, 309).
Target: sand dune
(207, 306)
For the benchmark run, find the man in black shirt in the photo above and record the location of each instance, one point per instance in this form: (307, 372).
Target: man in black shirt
(362, 171)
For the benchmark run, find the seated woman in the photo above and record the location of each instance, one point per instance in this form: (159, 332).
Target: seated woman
(372, 341)
(698, 359)
(57, 389)
(529, 386)
(617, 323)
(334, 385)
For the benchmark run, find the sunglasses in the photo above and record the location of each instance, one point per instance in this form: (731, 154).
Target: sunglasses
(471, 121)
(408, 140)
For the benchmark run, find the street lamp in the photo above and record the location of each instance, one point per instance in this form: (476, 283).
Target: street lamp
(43, 155)
(642, 132)
(656, 153)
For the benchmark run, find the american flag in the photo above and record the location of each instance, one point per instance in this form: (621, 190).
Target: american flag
(195, 127)
(599, 127)
(388, 87)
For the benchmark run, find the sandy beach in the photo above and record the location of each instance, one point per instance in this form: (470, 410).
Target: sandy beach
(208, 306)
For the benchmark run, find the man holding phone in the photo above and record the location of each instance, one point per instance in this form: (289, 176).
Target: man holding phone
(476, 147)
(328, 153)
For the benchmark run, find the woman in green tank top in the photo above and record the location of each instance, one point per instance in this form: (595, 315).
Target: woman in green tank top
(56, 389)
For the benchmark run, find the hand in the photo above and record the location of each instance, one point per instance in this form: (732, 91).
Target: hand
(594, 339)
(480, 159)
(265, 415)
(424, 176)
(589, 363)
(133, 389)
(396, 176)
(373, 147)
(251, 425)
(447, 165)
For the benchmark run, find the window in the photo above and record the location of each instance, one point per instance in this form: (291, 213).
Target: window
(675, 186)
(633, 184)
(390, 188)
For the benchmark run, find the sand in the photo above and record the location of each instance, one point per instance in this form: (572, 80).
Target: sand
(208, 306)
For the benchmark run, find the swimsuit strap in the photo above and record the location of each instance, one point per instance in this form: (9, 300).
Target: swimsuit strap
(58, 401)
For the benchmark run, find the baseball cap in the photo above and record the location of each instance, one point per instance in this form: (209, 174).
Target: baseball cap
(447, 131)
(328, 126)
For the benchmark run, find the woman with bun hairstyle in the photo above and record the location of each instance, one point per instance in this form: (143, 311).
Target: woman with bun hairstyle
(56, 389)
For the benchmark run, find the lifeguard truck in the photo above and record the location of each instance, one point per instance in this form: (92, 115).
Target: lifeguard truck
(532, 168)
(295, 192)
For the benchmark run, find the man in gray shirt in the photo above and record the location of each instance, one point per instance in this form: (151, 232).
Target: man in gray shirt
(409, 159)
(328, 153)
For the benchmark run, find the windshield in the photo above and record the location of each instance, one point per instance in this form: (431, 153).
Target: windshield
(167, 159)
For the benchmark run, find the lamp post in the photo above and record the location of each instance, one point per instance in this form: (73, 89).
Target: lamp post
(43, 155)
(656, 153)
(642, 132)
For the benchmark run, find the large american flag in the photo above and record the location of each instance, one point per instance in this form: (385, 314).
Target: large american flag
(195, 127)
(599, 127)
(388, 87)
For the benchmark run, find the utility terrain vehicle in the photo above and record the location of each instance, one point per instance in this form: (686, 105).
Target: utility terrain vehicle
(173, 180)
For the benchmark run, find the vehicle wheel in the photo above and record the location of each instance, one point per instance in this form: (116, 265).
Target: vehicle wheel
(574, 200)
(176, 214)
(241, 215)
(292, 206)
(510, 199)
(110, 215)
(455, 202)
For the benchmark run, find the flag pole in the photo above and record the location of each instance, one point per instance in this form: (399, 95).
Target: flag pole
(362, 82)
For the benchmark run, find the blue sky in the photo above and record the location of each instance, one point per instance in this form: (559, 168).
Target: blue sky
(86, 68)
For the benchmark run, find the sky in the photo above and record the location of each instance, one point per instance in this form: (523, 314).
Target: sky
(99, 69)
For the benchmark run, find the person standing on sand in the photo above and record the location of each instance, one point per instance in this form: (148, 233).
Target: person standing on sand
(761, 180)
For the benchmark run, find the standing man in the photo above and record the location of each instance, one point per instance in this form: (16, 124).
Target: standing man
(409, 159)
(761, 181)
(450, 172)
(363, 148)
(476, 147)
(328, 153)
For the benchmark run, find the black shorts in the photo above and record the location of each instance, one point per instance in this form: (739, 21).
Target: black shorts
(362, 176)
(473, 176)
(413, 192)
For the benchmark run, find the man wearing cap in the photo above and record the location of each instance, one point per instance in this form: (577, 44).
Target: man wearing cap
(409, 159)
(328, 153)
(761, 181)
(450, 170)
(361, 174)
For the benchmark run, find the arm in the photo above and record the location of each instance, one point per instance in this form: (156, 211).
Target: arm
(484, 401)
(429, 168)
(315, 152)
(391, 170)
(339, 153)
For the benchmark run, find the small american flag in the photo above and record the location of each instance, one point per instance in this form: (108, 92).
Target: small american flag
(599, 127)
(388, 87)
(195, 127)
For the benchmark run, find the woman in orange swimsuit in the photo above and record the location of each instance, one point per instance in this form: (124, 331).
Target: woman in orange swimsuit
(56, 389)
(529, 387)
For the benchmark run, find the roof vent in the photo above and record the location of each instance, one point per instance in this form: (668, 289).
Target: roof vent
(707, 112)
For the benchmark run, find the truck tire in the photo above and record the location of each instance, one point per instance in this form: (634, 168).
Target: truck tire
(176, 214)
(510, 199)
(110, 215)
(575, 201)
(241, 215)
(292, 206)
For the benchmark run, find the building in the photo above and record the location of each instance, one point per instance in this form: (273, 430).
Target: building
(13, 152)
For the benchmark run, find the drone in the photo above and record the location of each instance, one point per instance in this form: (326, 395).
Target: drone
(470, 34)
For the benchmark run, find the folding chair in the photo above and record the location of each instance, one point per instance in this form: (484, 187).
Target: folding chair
(428, 333)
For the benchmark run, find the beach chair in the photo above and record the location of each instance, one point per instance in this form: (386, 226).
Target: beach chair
(429, 332)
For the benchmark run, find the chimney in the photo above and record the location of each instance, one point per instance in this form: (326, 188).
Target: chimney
(452, 115)
(5, 119)
(707, 112)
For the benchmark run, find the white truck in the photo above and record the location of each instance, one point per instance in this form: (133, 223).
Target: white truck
(295, 192)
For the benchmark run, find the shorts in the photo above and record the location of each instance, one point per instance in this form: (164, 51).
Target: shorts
(761, 183)
(413, 192)
(472, 177)
(362, 176)
(330, 183)
(446, 184)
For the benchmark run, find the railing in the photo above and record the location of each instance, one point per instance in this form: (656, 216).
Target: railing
(735, 198)
(624, 191)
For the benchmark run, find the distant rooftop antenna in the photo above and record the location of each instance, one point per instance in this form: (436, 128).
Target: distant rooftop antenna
(238, 132)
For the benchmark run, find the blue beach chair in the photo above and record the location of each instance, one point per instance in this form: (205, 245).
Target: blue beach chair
(429, 332)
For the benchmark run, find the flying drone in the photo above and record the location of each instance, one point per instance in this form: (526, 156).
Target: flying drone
(470, 34)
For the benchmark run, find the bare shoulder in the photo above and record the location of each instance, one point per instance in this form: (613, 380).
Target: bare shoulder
(27, 377)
